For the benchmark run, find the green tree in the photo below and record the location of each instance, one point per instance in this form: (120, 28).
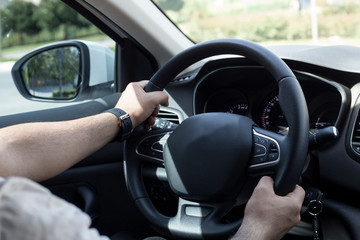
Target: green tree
(57, 69)
(20, 17)
(53, 15)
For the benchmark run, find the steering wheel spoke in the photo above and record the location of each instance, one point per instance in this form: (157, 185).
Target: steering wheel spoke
(199, 220)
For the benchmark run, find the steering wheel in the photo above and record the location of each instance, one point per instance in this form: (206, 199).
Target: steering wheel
(212, 159)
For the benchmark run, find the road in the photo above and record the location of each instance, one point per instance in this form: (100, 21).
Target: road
(11, 101)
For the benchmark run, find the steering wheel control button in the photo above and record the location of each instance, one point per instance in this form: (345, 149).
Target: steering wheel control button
(151, 147)
(258, 159)
(265, 150)
(259, 150)
(273, 157)
(273, 145)
(157, 147)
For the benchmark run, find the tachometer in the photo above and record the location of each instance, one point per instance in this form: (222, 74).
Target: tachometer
(272, 117)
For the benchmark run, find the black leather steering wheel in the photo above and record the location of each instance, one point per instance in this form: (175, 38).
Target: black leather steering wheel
(211, 159)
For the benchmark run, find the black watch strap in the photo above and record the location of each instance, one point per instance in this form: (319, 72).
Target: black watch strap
(126, 124)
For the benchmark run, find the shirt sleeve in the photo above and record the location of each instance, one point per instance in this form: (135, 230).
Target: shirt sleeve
(29, 211)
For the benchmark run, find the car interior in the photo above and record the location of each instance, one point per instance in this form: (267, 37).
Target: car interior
(237, 111)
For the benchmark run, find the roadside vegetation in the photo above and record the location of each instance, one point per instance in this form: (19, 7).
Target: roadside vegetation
(46, 21)
(262, 21)
(265, 21)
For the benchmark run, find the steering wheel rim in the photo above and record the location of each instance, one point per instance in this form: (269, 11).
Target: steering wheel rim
(286, 172)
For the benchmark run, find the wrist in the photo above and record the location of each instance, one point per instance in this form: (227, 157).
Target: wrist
(124, 122)
(250, 231)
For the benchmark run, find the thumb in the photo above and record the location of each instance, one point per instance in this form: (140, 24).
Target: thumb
(267, 182)
(298, 193)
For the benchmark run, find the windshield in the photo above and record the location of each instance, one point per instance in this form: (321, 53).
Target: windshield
(267, 21)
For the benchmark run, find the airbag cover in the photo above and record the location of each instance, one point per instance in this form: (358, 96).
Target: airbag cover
(207, 155)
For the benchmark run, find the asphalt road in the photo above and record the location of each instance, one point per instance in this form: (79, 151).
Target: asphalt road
(11, 101)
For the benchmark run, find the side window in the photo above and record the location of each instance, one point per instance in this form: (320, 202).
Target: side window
(54, 75)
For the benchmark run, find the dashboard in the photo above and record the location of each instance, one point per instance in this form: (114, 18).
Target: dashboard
(330, 81)
(251, 91)
(331, 89)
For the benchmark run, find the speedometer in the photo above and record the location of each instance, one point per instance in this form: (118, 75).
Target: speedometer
(324, 116)
(272, 117)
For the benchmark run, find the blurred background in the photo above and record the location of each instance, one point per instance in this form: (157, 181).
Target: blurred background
(268, 21)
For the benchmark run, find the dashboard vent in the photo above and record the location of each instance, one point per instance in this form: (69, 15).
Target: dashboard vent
(355, 139)
(169, 115)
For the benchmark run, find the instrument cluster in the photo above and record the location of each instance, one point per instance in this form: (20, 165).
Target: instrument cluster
(257, 98)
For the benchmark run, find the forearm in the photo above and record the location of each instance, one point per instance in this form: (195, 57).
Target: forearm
(42, 150)
(248, 232)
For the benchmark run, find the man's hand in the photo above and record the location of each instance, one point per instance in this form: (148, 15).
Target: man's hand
(141, 105)
(269, 216)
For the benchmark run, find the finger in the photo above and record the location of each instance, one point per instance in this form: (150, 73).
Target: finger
(298, 193)
(268, 182)
(156, 111)
(151, 120)
(160, 97)
(143, 83)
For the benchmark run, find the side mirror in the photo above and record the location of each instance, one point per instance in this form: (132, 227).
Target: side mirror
(65, 71)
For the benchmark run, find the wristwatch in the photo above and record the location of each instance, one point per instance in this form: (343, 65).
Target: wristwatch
(124, 122)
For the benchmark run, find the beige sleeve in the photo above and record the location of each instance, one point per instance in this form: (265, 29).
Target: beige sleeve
(29, 211)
